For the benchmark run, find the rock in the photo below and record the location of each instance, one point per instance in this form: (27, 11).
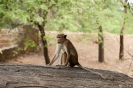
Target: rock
(2, 83)
(7, 52)
(33, 76)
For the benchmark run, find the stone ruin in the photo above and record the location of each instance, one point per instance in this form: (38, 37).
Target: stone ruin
(13, 43)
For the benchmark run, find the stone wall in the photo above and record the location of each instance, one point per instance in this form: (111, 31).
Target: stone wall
(7, 52)
(28, 36)
(14, 44)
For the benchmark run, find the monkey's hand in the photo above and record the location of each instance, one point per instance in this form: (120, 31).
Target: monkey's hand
(48, 64)
(66, 64)
(61, 66)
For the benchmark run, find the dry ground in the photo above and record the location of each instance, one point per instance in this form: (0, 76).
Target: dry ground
(87, 48)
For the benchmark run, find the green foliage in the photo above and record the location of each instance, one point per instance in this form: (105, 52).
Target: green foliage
(84, 38)
(29, 43)
(15, 53)
(100, 37)
(67, 15)
(49, 39)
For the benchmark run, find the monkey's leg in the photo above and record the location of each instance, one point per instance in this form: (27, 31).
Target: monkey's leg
(73, 61)
(63, 58)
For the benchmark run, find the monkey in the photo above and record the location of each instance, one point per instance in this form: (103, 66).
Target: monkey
(69, 57)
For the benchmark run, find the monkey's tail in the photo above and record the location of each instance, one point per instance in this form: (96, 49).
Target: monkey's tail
(93, 72)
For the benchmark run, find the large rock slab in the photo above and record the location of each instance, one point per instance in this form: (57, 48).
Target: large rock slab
(32, 76)
(7, 52)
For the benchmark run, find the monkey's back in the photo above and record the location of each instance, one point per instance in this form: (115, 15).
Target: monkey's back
(73, 50)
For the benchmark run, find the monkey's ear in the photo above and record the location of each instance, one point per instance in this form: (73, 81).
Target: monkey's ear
(65, 36)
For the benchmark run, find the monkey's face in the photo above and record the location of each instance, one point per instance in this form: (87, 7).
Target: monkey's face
(61, 38)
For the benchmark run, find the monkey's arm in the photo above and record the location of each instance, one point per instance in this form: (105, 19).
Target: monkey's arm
(58, 49)
(67, 59)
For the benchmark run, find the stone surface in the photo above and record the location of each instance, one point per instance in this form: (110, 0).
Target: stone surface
(7, 52)
(33, 76)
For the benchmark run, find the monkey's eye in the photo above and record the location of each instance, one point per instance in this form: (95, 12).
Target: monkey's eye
(58, 37)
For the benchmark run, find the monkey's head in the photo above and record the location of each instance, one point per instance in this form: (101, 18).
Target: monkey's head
(61, 38)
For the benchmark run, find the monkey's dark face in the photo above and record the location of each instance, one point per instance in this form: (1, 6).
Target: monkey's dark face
(61, 38)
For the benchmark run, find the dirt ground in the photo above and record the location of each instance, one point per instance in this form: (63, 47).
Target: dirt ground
(87, 49)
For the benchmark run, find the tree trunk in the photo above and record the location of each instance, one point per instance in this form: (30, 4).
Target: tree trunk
(101, 45)
(121, 52)
(44, 42)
